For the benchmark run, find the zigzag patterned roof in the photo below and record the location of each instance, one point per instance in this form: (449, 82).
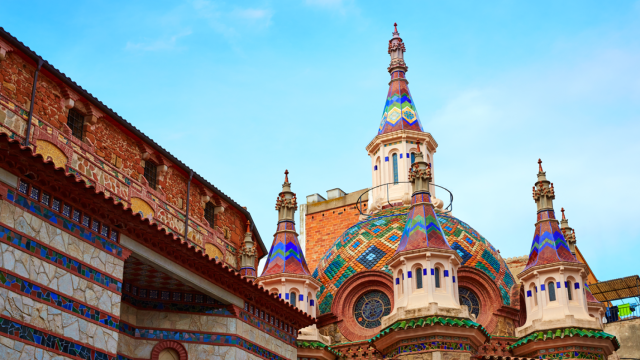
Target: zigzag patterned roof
(399, 110)
(422, 229)
(285, 255)
(549, 245)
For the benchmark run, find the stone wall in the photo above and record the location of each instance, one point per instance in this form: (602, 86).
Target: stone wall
(41, 283)
(197, 323)
(628, 333)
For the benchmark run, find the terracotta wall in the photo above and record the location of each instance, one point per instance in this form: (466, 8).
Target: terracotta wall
(116, 146)
(324, 227)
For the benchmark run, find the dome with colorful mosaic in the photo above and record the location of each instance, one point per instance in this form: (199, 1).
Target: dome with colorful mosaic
(370, 243)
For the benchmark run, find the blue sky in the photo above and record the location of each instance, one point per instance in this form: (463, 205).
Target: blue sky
(241, 91)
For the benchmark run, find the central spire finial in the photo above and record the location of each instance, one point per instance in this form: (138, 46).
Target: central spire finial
(395, 27)
(286, 176)
(540, 165)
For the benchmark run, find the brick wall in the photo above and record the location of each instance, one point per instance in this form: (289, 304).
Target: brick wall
(324, 227)
(111, 143)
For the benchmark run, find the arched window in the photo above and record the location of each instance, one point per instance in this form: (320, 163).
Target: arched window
(534, 294)
(568, 285)
(418, 278)
(552, 291)
(395, 169)
(292, 298)
(208, 213)
(437, 274)
(413, 157)
(400, 283)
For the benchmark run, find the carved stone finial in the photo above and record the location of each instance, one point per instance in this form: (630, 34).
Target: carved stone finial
(562, 211)
(395, 27)
(418, 143)
(248, 226)
(540, 165)
(286, 176)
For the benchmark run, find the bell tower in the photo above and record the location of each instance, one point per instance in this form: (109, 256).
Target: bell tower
(393, 149)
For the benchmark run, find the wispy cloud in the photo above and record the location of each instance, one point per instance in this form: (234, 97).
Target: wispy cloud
(341, 7)
(231, 22)
(162, 44)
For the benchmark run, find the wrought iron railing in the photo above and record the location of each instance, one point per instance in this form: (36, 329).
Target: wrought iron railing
(359, 201)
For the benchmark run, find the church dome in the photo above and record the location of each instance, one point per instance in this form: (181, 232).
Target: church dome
(370, 243)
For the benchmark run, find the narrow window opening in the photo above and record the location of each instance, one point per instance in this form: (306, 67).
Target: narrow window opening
(150, 171)
(75, 121)
(413, 157)
(208, 213)
(569, 290)
(395, 169)
(552, 291)
(437, 274)
(418, 278)
(292, 298)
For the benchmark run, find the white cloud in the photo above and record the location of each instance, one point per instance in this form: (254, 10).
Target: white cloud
(341, 7)
(163, 44)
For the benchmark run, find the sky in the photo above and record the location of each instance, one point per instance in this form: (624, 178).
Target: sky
(241, 91)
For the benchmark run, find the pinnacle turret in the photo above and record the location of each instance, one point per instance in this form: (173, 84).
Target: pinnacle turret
(286, 255)
(422, 229)
(399, 111)
(248, 255)
(549, 244)
(568, 233)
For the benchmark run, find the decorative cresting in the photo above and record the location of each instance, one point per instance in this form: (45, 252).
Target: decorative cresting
(399, 111)
(568, 233)
(422, 229)
(549, 245)
(248, 255)
(285, 255)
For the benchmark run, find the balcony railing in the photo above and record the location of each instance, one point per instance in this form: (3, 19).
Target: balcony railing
(386, 186)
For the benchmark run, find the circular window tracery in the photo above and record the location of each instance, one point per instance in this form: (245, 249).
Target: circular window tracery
(370, 308)
(467, 297)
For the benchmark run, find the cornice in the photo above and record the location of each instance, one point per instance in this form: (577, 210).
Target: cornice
(402, 135)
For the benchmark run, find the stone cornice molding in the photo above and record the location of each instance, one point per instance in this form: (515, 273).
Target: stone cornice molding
(429, 252)
(284, 276)
(402, 135)
(560, 266)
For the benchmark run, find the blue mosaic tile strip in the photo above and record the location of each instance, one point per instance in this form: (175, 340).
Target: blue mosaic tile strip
(52, 298)
(66, 224)
(268, 328)
(429, 345)
(49, 341)
(214, 339)
(55, 257)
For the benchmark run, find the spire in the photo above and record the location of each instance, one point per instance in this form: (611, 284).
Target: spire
(285, 255)
(422, 229)
(399, 111)
(568, 233)
(248, 255)
(549, 245)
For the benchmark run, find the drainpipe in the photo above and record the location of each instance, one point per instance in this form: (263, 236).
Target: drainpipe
(186, 220)
(33, 99)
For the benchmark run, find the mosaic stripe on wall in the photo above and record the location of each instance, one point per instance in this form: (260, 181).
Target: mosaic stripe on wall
(66, 224)
(49, 341)
(24, 243)
(55, 299)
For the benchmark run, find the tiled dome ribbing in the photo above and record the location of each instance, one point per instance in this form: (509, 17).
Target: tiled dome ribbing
(369, 244)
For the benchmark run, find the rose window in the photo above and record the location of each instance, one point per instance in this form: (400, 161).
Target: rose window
(467, 297)
(370, 308)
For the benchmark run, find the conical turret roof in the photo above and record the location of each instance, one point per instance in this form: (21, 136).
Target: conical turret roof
(399, 110)
(549, 245)
(285, 255)
(422, 229)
